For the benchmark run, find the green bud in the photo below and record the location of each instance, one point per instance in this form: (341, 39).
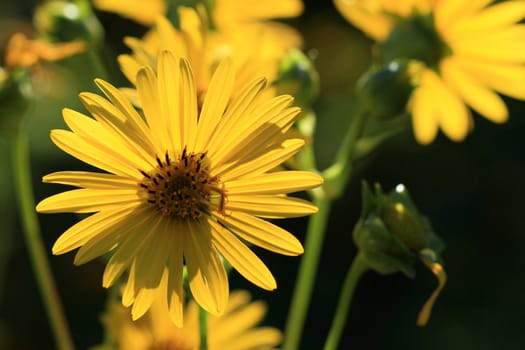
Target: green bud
(391, 232)
(63, 21)
(384, 92)
(298, 77)
(15, 99)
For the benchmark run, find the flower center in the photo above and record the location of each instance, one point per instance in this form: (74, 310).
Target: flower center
(182, 189)
(414, 38)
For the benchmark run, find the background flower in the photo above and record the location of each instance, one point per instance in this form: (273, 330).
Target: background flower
(235, 330)
(469, 50)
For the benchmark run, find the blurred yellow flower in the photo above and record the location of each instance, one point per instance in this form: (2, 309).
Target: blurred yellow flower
(470, 50)
(204, 49)
(226, 13)
(185, 186)
(235, 330)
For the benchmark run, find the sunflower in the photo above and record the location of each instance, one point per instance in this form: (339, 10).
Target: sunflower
(251, 59)
(470, 51)
(235, 330)
(183, 186)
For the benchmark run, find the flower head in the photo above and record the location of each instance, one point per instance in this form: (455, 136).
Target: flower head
(183, 186)
(469, 51)
(235, 330)
(259, 56)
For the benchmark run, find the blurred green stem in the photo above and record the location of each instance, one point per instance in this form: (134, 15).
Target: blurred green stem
(307, 270)
(336, 178)
(24, 192)
(203, 329)
(356, 270)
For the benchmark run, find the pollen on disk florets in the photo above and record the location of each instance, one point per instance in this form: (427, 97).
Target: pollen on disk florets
(181, 188)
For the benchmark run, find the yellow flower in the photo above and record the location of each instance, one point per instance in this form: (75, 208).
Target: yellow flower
(470, 50)
(185, 186)
(143, 12)
(235, 330)
(226, 13)
(251, 59)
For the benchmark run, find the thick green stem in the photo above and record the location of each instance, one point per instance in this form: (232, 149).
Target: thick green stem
(37, 252)
(356, 270)
(307, 271)
(203, 329)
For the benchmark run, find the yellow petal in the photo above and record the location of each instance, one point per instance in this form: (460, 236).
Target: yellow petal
(275, 183)
(88, 200)
(374, 23)
(79, 148)
(215, 102)
(142, 12)
(262, 337)
(239, 105)
(424, 120)
(481, 99)
(124, 106)
(274, 207)
(267, 161)
(505, 78)
(90, 180)
(115, 122)
(500, 46)
(129, 66)
(139, 242)
(153, 254)
(207, 276)
(128, 295)
(266, 135)
(168, 75)
(492, 18)
(84, 230)
(188, 103)
(247, 124)
(150, 101)
(175, 291)
(262, 233)
(242, 258)
(143, 300)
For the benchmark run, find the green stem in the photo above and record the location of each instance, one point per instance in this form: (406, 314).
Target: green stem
(336, 178)
(37, 252)
(203, 329)
(307, 271)
(338, 174)
(356, 270)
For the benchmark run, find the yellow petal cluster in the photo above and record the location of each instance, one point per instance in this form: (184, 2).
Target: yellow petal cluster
(235, 330)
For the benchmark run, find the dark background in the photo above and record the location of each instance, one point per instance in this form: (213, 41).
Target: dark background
(472, 192)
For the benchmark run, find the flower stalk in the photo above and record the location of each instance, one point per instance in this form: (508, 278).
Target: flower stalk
(336, 178)
(203, 329)
(37, 252)
(356, 270)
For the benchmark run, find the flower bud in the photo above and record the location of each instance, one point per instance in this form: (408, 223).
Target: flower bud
(298, 77)
(15, 99)
(392, 235)
(384, 92)
(62, 20)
